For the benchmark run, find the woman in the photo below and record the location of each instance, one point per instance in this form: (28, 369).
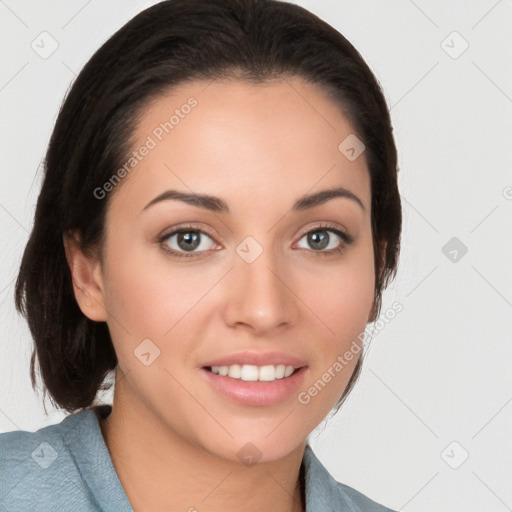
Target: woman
(218, 219)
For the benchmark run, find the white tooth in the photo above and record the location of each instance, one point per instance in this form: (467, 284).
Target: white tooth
(288, 371)
(267, 373)
(249, 372)
(280, 369)
(252, 373)
(234, 371)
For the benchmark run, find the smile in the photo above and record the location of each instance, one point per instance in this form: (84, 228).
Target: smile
(255, 392)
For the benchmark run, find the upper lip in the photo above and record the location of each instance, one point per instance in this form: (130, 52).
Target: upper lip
(256, 359)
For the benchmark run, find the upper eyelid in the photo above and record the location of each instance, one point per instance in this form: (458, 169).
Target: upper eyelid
(185, 228)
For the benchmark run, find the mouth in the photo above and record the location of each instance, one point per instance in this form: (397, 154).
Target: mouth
(255, 386)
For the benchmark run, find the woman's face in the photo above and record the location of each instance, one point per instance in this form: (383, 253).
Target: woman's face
(243, 279)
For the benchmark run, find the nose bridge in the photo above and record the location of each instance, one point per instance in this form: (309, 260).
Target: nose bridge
(260, 298)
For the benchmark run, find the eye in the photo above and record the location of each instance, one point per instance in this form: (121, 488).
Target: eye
(326, 240)
(187, 242)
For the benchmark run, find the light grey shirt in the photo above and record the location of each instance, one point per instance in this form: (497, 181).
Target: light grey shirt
(67, 467)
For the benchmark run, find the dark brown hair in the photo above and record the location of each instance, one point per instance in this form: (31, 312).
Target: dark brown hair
(165, 45)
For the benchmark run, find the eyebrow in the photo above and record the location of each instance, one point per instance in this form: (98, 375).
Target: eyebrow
(218, 205)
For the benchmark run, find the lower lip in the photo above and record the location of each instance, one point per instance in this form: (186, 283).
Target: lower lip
(256, 393)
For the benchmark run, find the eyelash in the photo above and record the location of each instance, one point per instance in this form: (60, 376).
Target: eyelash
(345, 237)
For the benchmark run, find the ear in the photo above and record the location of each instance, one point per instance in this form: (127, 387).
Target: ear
(382, 247)
(87, 279)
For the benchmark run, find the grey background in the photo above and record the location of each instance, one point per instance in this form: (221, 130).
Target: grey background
(436, 386)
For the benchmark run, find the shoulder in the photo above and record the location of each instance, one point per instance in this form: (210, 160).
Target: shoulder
(38, 471)
(324, 493)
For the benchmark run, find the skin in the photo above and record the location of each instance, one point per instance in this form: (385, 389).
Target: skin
(173, 439)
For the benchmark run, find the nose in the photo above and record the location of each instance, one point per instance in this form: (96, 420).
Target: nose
(260, 296)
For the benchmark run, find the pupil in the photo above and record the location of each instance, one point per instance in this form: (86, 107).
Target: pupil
(318, 239)
(188, 240)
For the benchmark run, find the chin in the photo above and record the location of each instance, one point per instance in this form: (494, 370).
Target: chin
(263, 445)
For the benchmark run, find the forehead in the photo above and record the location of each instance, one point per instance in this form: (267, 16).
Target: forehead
(256, 145)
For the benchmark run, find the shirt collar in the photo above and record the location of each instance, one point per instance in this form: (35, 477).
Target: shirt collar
(85, 441)
(321, 491)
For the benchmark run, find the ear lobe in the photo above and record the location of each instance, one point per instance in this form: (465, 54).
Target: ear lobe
(87, 279)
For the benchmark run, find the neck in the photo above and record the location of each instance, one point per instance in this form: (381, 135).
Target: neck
(159, 470)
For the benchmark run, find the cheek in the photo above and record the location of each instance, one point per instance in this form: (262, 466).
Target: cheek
(341, 299)
(352, 298)
(139, 297)
(147, 296)
(341, 296)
